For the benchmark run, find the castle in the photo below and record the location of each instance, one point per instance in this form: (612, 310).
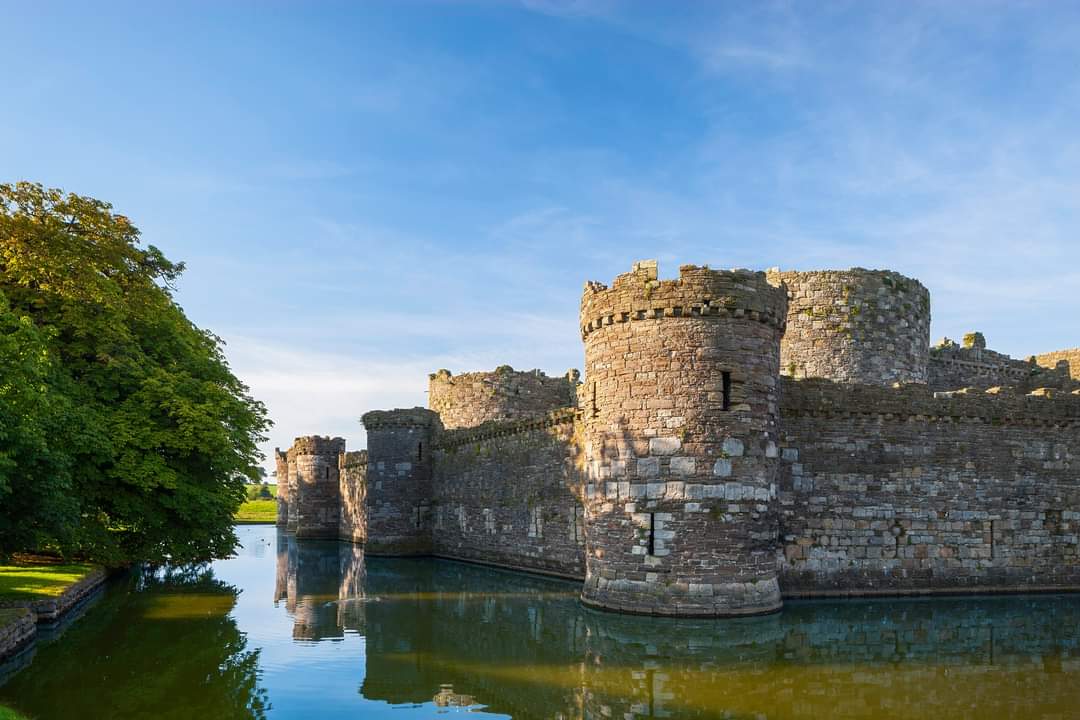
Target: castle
(738, 437)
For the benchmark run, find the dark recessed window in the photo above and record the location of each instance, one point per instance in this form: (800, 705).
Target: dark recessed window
(726, 380)
(652, 533)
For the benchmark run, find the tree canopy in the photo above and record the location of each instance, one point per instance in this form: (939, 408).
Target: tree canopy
(124, 435)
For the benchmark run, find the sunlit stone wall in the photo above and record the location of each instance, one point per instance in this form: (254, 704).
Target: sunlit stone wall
(398, 492)
(896, 490)
(508, 494)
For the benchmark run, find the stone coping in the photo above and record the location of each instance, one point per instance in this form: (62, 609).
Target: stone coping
(453, 439)
(822, 398)
(17, 630)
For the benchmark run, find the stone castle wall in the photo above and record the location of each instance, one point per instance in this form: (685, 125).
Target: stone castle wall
(352, 472)
(972, 365)
(687, 476)
(896, 490)
(855, 326)
(679, 409)
(470, 399)
(508, 494)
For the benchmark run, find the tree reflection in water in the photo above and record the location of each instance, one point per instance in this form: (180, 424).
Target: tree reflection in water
(160, 644)
(453, 634)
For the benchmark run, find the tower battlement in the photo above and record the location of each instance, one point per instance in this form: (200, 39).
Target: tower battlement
(698, 292)
(317, 445)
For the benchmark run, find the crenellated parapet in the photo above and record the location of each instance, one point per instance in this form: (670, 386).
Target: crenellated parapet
(699, 292)
(855, 326)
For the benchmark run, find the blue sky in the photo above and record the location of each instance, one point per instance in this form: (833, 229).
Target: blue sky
(365, 192)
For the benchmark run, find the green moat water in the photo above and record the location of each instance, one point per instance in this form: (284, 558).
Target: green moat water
(312, 630)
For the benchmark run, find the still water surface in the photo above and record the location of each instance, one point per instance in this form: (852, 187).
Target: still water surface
(313, 630)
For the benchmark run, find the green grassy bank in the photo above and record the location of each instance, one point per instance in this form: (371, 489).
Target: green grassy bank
(9, 714)
(257, 511)
(29, 580)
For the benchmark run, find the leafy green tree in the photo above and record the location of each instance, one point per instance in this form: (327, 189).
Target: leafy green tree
(126, 436)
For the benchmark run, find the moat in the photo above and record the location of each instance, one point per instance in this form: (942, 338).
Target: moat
(312, 629)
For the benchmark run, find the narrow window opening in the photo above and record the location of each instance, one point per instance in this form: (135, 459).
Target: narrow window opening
(652, 533)
(595, 409)
(327, 468)
(417, 516)
(419, 452)
(726, 379)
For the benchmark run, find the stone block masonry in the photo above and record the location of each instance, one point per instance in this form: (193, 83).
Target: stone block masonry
(509, 494)
(471, 399)
(859, 326)
(314, 492)
(398, 476)
(890, 491)
(739, 437)
(680, 432)
(1065, 361)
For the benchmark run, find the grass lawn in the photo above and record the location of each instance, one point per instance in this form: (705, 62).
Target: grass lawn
(9, 714)
(32, 581)
(257, 511)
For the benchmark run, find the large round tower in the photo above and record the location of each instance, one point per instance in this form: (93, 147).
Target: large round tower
(679, 408)
(855, 326)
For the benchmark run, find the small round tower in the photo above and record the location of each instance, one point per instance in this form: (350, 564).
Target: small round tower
(855, 326)
(679, 410)
(316, 493)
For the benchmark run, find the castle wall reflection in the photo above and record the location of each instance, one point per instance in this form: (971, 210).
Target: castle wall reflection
(441, 634)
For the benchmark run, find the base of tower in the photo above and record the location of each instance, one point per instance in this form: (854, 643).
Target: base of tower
(719, 600)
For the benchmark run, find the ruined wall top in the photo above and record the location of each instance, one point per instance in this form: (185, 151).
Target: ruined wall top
(971, 364)
(470, 399)
(955, 366)
(1066, 361)
(698, 292)
(857, 325)
(416, 417)
(317, 445)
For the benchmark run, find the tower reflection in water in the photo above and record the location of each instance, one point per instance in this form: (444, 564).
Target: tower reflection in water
(458, 635)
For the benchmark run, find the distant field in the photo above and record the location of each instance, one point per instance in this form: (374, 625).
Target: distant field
(257, 511)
